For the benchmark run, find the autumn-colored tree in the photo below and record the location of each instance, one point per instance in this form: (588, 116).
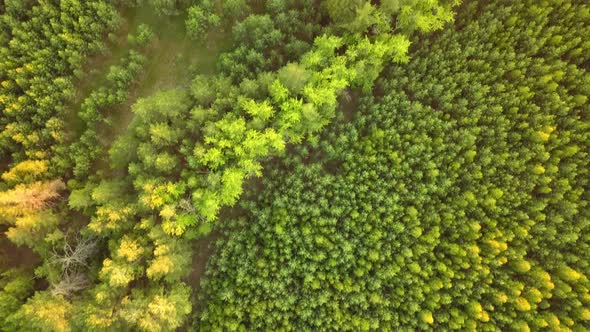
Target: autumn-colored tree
(25, 199)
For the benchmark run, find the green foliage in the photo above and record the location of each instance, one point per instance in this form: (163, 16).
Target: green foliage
(235, 9)
(163, 7)
(94, 109)
(293, 77)
(224, 147)
(201, 19)
(158, 310)
(455, 199)
(361, 16)
(123, 151)
(451, 196)
(144, 35)
(266, 42)
(37, 70)
(16, 285)
(421, 15)
(344, 11)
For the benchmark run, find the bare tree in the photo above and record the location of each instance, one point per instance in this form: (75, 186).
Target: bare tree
(73, 260)
(70, 284)
(74, 257)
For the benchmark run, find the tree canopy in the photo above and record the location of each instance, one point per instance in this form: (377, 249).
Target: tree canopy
(294, 165)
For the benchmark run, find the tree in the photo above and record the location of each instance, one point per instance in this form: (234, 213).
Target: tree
(27, 199)
(232, 181)
(123, 151)
(38, 72)
(33, 229)
(166, 162)
(144, 35)
(164, 7)
(73, 259)
(201, 19)
(43, 312)
(236, 9)
(294, 77)
(26, 171)
(343, 11)
(365, 17)
(170, 261)
(158, 309)
(17, 285)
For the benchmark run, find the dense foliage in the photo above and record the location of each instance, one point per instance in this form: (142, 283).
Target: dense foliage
(451, 195)
(43, 50)
(456, 200)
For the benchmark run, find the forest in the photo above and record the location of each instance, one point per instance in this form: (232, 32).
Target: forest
(294, 165)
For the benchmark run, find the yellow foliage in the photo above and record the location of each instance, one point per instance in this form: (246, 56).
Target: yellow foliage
(160, 266)
(99, 321)
(539, 169)
(426, 317)
(29, 169)
(32, 228)
(584, 314)
(109, 218)
(129, 249)
(167, 212)
(544, 134)
(54, 313)
(543, 279)
(502, 297)
(553, 322)
(569, 274)
(522, 304)
(161, 249)
(116, 275)
(40, 154)
(101, 296)
(33, 137)
(159, 307)
(521, 266)
(102, 321)
(497, 246)
(476, 310)
(534, 295)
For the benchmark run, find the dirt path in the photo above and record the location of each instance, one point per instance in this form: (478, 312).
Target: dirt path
(203, 249)
(12, 256)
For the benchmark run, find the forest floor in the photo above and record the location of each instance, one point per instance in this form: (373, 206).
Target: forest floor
(173, 60)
